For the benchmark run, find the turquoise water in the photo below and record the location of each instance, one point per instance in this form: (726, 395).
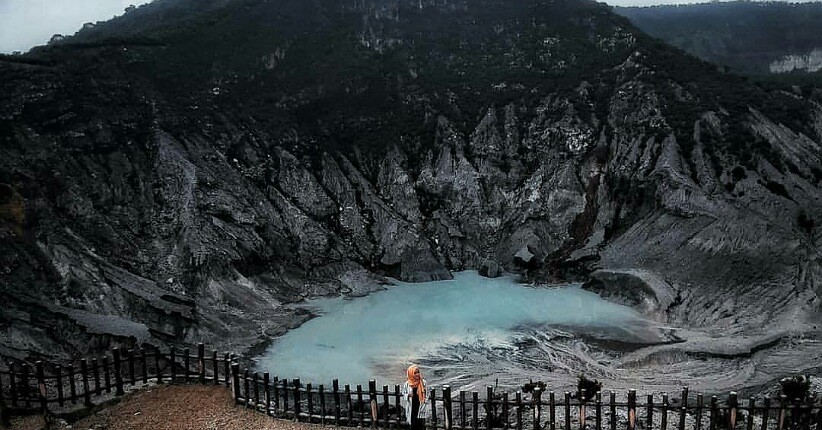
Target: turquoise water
(458, 329)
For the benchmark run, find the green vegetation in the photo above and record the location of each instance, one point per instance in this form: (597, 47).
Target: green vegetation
(795, 387)
(531, 385)
(587, 388)
(332, 76)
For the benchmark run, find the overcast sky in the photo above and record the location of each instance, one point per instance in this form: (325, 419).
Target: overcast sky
(27, 23)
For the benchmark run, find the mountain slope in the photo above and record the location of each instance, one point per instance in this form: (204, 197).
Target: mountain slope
(747, 37)
(181, 182)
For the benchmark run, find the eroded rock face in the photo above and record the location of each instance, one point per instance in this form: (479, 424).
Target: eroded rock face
(811, 62)
(184, 221)
(643, 290)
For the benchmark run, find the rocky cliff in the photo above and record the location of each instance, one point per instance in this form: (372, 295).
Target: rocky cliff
(183, 173)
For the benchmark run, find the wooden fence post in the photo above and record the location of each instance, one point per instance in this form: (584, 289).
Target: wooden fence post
(186, 364)
(321, 393)
(118, 376)
(173, 363)
(783, 400)
(5, 421)
(504, 409)
(201, 366)
(599, 410)
(157, 367)
(361, 414)
(489, 407)
(226, 367)
(349, 410)
(216, 367)
(552, 409)
(446, 406)
(386, 401)
(732, 409)
(567, 406)
(246, 388)
(518, 400)
(751, 404)
(699, 406)
(24, 385)
(132, 376)
(310, 398)
(285, 398)
(41, 387)
(255, 382)
(267, 392)
(58, 376)
(106, 374)
(475, 410)
(72, 386)
(297, 405)
(796, 413)
(631, 409)
(536, 407)
(144, 365)
(433, 397)
(612, 407)
(397, 400)
(12, 384)
(275, 386)
(664, 423)
(650, 411)
(235, 381)
(335, 388)
(372, 400)
(462, 410)
(86, 387)
(766, 413)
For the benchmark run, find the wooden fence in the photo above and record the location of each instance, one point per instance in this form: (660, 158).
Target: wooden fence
(385, 408)
(48, 388)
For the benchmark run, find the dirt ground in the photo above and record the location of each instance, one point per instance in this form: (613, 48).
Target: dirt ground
(172, 407)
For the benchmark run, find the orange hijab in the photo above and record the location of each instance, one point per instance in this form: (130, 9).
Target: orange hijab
(415, 380)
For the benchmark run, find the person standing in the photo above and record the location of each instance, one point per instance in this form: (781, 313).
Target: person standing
(415, 381)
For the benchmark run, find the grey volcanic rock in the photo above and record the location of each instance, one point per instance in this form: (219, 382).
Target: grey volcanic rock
(811, 62)
(181, 199)
(646, 291)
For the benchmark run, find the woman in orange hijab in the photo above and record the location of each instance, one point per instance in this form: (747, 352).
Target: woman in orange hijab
(415, 381)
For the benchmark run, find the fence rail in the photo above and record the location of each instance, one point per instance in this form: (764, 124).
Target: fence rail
(538, 410)
(47, 387)
(44, 386)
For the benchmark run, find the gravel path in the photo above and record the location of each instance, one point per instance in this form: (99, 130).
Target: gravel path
(174, 407)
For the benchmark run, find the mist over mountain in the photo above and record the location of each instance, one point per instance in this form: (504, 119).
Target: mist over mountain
(747, 37)
(181, 173)
(28, 23)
